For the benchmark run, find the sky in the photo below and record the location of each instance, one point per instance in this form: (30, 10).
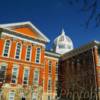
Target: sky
(50, 16)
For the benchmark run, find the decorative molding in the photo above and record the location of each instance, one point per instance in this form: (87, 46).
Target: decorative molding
(52, 54)
(22, 38)
(21, 24)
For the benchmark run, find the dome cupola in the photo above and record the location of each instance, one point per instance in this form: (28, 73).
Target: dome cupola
(62, 43)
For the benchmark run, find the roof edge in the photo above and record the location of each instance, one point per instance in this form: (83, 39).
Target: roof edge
(80, 49)
(23, 23)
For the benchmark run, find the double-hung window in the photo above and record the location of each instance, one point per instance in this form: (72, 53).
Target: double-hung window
(2, 73)
(6, 48)
(11, 95)
(36, 76)
(26, 76)
(50, 67)
(28, 53)
(49, 98)
(14, 74)
(38, 53)
(49, 84)
(34, 96)
(18, 51)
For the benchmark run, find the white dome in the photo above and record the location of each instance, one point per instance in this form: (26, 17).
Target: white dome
(62, 44)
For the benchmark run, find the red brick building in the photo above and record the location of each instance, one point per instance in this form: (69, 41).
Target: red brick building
(27, 70)
(79, 73)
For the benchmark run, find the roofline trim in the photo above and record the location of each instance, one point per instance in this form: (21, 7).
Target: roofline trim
(23, 23)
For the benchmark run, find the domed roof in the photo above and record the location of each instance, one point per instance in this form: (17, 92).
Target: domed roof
(62, 43)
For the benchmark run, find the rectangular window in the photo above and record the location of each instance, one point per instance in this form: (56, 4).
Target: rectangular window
(49, 98)
(2, 73)
(36, 76)
(28, 53)
(18, 51)
(61, 46)
(38, 52)
(11, 95)
(15, 74)
(26, 75)
(50, 67)
(49, 84)
(34, 96)
(6, 48)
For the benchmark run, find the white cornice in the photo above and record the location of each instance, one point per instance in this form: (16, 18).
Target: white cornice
(25, 23)
(24, 39)
(53, 58)
(52, 54)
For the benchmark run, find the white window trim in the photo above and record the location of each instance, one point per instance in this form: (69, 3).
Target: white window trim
(36, 69)
(49, 96)
(15, 66)
(22, 38)
(50, 84)
(20, 51)
(4, 64)
(28, 76)
(8, 50)
(50, 66)
(39, 56)
(9, 95)
(30, 53)
(35, 94)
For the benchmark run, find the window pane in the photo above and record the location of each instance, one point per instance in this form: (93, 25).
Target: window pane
(62, 46)
(28, 54)
(48, 97)
(36, 76)
(6, 48)
(2, 73)
(14, 74)
(50, 67)
(34, 96)
(25, 79)
(11, 95)
(38, 55)
(49, 84)
(18, 50)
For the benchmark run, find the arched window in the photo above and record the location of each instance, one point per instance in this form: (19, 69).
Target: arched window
(6, 48)
(61, 38)
(61, 46)
(18, 51)
(28, 53)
